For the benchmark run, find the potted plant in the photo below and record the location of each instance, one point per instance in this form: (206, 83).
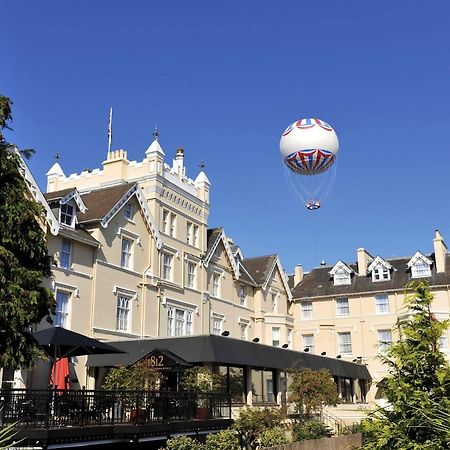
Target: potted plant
(201, 381)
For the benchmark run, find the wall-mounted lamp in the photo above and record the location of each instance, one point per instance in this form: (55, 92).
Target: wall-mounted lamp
(225, 333)
(285, 346)
(306, 349)
(323, 353)
(255, 340)
(338, 356)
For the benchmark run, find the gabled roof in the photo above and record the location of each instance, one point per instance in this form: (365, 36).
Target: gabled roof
(340, 265)
(214, 237)
(64, 195)
(318, 282)
(261, 270)
(418, 256)
(379, 261)
(103, 204)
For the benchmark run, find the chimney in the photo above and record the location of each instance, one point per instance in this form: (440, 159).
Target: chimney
(363, 259)
(178, 162)
(298, 274)
(440, 251)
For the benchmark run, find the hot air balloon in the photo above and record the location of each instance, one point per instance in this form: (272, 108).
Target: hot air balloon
(308, 148)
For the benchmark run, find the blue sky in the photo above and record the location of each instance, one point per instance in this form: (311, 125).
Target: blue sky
(223, 80)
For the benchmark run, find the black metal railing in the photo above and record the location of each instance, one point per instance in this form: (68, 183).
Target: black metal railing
(77, 408)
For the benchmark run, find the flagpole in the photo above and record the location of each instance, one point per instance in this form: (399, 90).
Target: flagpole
(110, 131)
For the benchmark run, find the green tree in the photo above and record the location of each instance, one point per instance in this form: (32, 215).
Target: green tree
(141, 375)
(418, 384)
(273, 437)
(183, 443)
(310, 390)
(224, 440)
(252, 422)
(24, 261)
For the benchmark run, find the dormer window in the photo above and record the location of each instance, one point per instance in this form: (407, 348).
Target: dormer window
(341, 273)
(381, 274)
(381, 269)
(341, 277)
(420, 266)
(67, 215)
(420, 270)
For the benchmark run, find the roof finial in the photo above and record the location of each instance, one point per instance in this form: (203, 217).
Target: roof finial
(202, 165)
(110, 130)
(156, 133)
(57, 156)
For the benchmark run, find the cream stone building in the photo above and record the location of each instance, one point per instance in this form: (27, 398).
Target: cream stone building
(135, 264)
(135, 259)
(349, 310)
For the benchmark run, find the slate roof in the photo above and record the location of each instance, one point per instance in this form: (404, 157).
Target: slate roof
(226, 350)
(319, 282)
(101, 201)
(56, 195)
(78, 234)
(259, 267)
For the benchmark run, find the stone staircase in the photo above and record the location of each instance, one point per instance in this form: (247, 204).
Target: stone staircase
(349, 413)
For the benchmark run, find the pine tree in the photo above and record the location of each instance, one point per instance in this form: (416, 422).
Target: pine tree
(24, 261)
(418, 383)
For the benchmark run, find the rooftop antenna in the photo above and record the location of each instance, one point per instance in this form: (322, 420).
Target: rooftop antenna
(202, 165)
(110, 131)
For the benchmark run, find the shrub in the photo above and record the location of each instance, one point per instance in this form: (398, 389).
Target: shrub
(183, 443)
(276, 436)
(313, 429)
(224, 440)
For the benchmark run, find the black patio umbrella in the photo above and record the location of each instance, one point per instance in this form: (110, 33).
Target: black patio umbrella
(58, 342)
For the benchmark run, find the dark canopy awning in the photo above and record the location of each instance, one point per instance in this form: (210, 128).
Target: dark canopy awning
(227, 351)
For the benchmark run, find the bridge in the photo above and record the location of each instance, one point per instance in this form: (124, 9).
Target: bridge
(51, 419)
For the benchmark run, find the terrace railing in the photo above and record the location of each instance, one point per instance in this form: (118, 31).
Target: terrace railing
(78, 408)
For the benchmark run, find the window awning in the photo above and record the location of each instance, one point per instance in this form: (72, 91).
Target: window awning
(227, 351)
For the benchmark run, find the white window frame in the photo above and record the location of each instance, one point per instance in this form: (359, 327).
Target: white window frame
(342, 307)
(123, 312)
(383, 343)
(274, 296)
(180, 320)
(242, 295)
(243, 328)
(167, 266)
(420, 269)
(191, 275)
(276, 336)
(62, 313)
(217, 323)
(345, 343)
(342, 277)
(216, 284)
(128, 211)
(308, 342)
(65, 216)
(189, 237)
(196, 231)
(381, 273)
(65, 255)
(165, 220)
(173, 225)
(382, 307)
(306, 309)
(289, 338)
(126, 254)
